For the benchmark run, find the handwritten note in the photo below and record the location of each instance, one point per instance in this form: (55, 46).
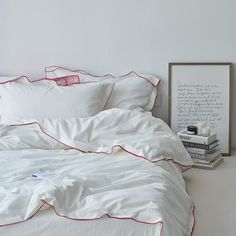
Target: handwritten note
(199, 102)
(201, 93)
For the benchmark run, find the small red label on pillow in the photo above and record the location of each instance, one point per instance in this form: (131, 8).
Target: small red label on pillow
(67, 80)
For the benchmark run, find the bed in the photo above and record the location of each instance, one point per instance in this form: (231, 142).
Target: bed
(80, 159)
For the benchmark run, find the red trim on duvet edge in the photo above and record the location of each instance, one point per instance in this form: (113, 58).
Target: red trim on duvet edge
(109, 216)
(25, 219)
(96, 76)
(125, 218)
(87, 219)
(120, 218)
(115, 217)
(112, 149)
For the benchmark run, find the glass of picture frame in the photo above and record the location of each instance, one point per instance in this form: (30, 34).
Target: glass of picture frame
(200, 92)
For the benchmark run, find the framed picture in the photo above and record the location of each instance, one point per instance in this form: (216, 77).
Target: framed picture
(200, 92)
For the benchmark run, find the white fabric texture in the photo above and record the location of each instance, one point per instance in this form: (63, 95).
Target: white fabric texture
(46, 223)
(131, 91)
(129, 184)
(22, 99)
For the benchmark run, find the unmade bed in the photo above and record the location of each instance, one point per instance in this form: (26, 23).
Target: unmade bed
(116, 172)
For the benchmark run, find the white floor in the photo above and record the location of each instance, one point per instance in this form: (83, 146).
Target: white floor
(214, 195)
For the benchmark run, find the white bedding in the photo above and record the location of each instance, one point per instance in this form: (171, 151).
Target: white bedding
(46, 223)
(138, 181)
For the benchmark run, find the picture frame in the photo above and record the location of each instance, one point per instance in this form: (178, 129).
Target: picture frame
(201, 92)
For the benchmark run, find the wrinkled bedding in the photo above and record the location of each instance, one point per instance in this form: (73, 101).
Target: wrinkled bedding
(119, 164)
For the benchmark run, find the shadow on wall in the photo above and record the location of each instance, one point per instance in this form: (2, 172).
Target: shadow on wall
(160, 109)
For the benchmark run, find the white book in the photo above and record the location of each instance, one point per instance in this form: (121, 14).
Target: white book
(208, 157)
(206, 161)
(197, 138)
(209, 166)
(200, 151)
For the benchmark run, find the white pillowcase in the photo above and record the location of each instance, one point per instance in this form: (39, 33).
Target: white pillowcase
(23, 99)
(131, 91)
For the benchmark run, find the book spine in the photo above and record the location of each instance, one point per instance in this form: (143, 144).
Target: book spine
(197, 161)
(194, 138)
(197, 156)
(196, 150)
(197, 138)
(205, 161)
(210, 166)
(196, 145)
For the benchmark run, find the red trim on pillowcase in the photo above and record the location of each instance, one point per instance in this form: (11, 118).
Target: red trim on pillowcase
(13, 80)
(76, 70)
(67, 80)
(47, 69)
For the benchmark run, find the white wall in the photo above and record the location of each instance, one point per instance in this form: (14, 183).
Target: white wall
(116, 36)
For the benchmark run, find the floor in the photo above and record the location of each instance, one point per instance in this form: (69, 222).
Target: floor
(214, 195)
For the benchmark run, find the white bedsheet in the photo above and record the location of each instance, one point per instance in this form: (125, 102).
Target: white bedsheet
(138, 181)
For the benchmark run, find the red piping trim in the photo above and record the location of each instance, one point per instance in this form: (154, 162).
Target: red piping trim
(89, 219)
(13, 80)
(124, 218)
(25, 219)
(114, 217)
(112, 149)
(46, 69)
(38, 80)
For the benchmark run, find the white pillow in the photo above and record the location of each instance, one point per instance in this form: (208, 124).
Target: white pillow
(6, 78)
(24, 99)
(131, 91)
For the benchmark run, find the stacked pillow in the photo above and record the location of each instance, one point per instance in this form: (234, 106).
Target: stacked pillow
(61, 97)
(66, 93)
(131, 91)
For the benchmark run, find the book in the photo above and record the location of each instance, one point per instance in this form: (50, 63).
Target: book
(197, 138)
(200, 150)
(202, 146)
(204, 161)
(209, 166)
(206, 157)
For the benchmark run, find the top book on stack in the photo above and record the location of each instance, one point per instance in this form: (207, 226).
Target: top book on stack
(184, 136)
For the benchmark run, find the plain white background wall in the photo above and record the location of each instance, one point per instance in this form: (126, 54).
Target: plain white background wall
(116, 36)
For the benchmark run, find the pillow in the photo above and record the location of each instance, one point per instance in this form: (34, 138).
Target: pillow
(5, 78)
(24, 99)
(62, 81)
(131, 91)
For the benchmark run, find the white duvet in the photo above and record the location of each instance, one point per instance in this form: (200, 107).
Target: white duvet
(119, 163)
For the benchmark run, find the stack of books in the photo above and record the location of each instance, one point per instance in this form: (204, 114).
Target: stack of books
(204, 150)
